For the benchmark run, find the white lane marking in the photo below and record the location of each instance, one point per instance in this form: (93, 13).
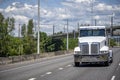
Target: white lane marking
(42, 75)
(113, 78)
(49, 73)
(68, 65)
(119, 64)
(32, 79)
(60, 68)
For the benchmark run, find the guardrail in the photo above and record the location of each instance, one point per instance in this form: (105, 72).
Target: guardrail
(14, 59)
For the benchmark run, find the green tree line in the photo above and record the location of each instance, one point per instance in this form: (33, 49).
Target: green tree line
(27, 43)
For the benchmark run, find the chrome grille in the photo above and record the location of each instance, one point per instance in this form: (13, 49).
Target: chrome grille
(84, 48)
(94, 48)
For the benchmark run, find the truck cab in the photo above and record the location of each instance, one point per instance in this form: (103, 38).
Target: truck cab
(92, 46)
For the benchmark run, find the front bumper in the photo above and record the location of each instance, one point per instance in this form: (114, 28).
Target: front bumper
(91, 58)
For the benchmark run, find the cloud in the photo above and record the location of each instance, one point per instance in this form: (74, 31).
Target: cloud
(73, 10)
(22, 12)
(81, 9)
(21, 19)
(96, 17)
(1, 10)
(103, 7)
(63, 16)
(18, 8)
(81, 1)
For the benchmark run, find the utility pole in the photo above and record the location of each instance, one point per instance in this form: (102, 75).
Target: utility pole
(35, 26)
(53, 29)
(78, 26)
(78, 30)
(38, 36)
(19, 31)
(92, 12)
(26, 30)
(67, 36)
(64, 28)
(19, 36)
(111, 29)
(95, 22)
(74, 33)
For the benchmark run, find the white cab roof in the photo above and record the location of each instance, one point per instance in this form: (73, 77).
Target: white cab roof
(92, 27)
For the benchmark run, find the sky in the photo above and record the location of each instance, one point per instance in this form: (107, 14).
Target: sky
(56, 12)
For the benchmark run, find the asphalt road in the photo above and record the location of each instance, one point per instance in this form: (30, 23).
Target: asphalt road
(61, 68)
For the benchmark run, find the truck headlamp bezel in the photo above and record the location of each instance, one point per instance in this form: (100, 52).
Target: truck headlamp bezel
(77, 52)
(104, 52)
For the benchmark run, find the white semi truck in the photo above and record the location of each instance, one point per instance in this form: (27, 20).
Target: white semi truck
(92, 46)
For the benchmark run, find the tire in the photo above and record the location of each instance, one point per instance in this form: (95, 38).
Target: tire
(107, 63)
(111, 60)
(77, 64)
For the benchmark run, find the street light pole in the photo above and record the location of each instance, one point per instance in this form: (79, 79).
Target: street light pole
(111, 29)
(19, 38)
(92, 12)
(38, 37)
(53, 29)
(67, 36)
(95, 22)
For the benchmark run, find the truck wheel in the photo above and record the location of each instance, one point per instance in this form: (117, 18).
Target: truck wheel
(77, 64)
(107, 63)
(111, 60)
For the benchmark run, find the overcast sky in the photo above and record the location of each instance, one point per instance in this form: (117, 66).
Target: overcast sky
(57, 11)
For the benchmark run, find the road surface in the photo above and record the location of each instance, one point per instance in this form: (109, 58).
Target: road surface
(61, 68)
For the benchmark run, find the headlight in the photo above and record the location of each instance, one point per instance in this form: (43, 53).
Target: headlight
(77, 52)
(104, 52)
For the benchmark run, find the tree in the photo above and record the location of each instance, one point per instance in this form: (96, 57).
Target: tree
(2, 29)
(6, 29)
(11, 45)
(11, 25)
(72, 43)
(112, 42)
(1, 19)
(24, 31)
(29, 44)
(30, 26)
(14, 47)
(43, 39)
(3, 36)
(53, 44)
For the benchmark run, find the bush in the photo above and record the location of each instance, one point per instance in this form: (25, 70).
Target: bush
(72, 43)
(112, 42)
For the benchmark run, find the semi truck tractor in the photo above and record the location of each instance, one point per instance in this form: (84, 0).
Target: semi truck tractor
(92, 46)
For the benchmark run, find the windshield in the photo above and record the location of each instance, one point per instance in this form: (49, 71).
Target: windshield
(92, 32)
